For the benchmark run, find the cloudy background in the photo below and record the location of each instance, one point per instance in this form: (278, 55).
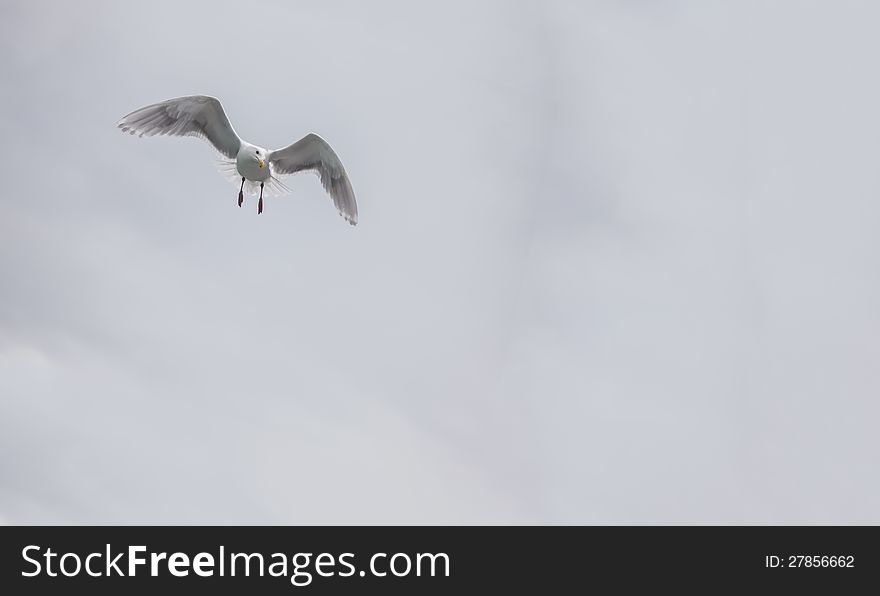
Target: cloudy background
(617, 262)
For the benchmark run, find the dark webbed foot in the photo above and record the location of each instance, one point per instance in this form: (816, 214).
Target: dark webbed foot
(260, 204)
(241, 192)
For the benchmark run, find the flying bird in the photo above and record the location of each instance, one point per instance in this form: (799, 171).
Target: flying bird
(258, 168)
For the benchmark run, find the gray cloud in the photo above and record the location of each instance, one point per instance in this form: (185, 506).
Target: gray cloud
(616, 263)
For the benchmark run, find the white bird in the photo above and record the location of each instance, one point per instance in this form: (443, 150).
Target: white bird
(203, 116)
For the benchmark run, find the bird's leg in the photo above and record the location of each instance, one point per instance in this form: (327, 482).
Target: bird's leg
(241, 192)
(260, 206)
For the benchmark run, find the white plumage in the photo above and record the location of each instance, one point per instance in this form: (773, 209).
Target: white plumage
(256, 168)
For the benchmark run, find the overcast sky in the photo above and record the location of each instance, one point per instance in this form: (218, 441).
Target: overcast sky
(617, 262)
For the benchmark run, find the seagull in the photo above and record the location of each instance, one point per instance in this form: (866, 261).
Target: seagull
(203, 116)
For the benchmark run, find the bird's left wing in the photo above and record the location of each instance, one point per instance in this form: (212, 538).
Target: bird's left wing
(193, 115)
(313, 153)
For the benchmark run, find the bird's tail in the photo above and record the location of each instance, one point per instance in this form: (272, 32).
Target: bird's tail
(273, 187)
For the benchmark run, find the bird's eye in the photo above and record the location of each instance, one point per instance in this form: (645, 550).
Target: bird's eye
(258, 152)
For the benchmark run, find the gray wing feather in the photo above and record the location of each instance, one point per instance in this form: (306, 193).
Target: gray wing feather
(313, 153)
(191, 116)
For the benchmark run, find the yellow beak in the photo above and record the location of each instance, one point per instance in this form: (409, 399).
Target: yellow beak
(262, 163)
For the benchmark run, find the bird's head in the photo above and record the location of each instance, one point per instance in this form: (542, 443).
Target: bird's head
(260, 157)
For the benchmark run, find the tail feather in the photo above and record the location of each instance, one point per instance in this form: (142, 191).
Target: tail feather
(273, 187)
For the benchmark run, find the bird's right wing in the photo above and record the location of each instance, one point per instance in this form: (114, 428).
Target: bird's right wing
(193, 115)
